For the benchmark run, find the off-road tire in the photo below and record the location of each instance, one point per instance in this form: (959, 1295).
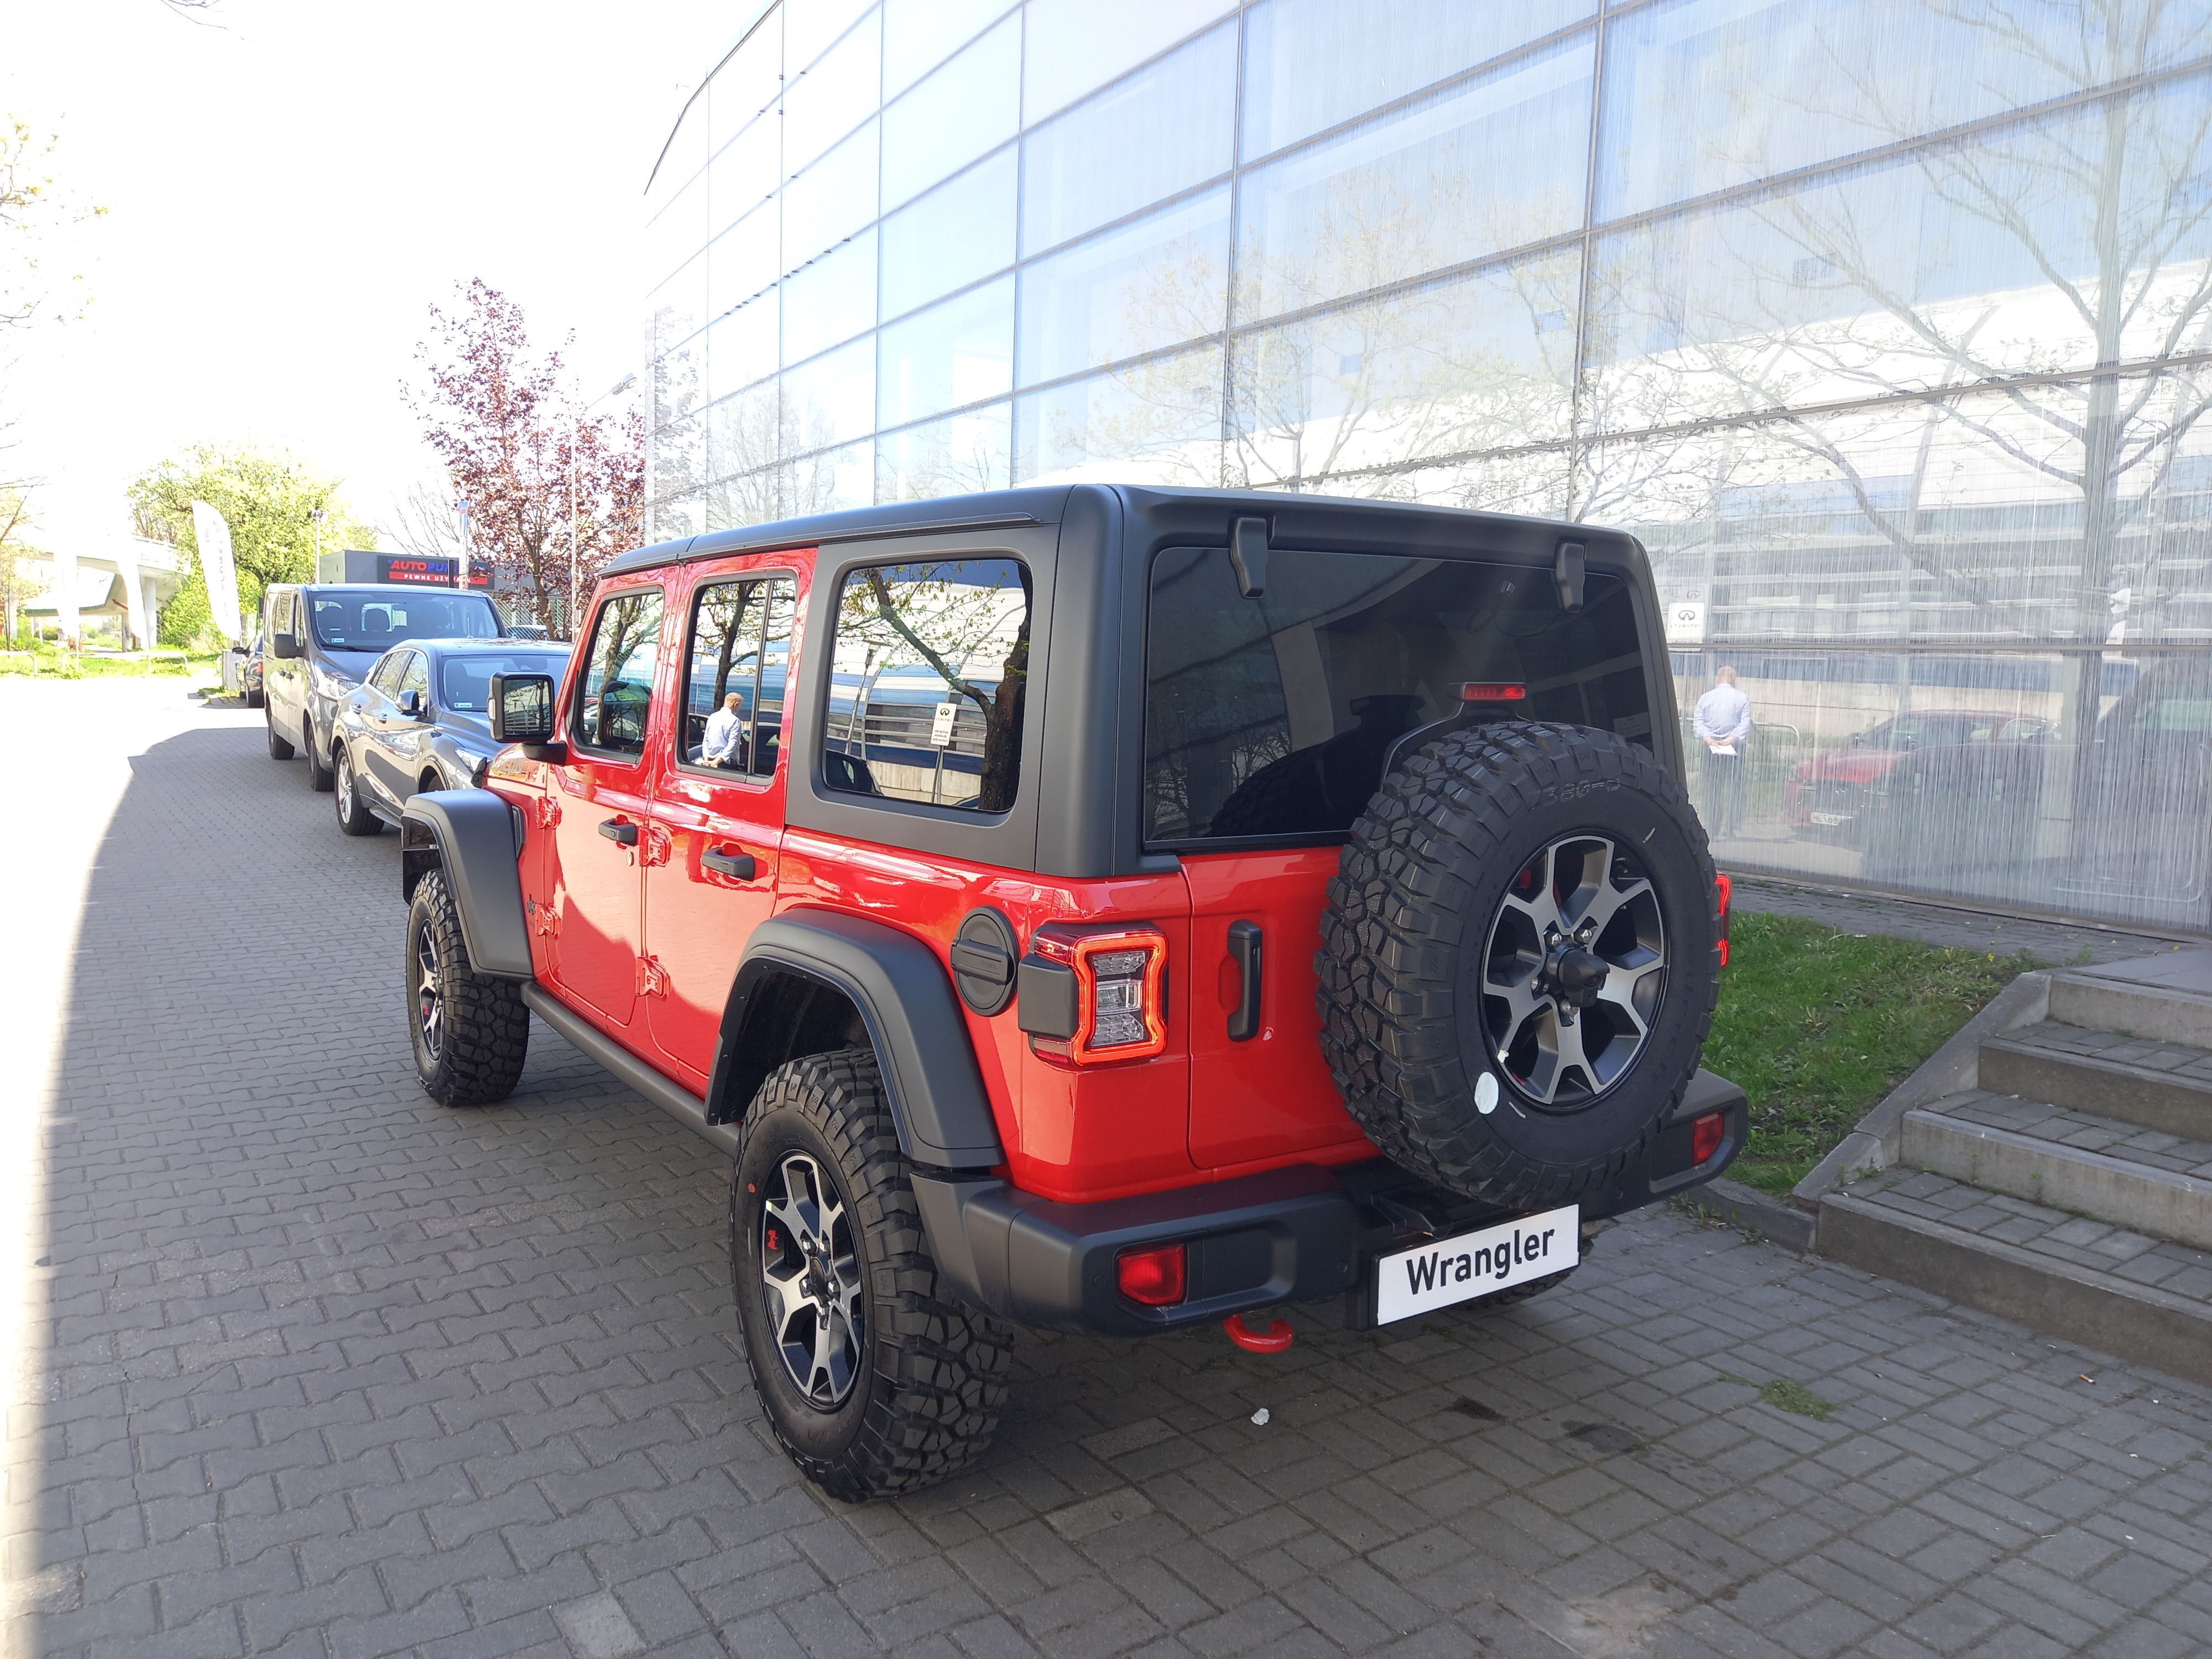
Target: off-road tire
(278, 749)
(354, 818)
(1417, 891)
(485, 1035)
(925, 1401)
(318, 764)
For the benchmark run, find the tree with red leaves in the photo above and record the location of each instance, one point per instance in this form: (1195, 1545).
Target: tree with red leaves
(514, 439)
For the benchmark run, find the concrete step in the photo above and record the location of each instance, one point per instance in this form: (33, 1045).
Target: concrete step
(2165, 999)
(2067, 1160)
(2161, 1085)
(2124, 1292)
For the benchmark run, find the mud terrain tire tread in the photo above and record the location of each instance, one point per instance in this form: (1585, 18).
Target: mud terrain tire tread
(487, 1025)
(929, 1403)
(1392, 941)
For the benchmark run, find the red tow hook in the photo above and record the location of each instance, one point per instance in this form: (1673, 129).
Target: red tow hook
(1274, 1339)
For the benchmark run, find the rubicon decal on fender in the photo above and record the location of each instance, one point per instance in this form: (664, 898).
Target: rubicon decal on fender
(1433, 1276)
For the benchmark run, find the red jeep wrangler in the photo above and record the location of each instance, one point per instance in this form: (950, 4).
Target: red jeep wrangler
(1099, 909)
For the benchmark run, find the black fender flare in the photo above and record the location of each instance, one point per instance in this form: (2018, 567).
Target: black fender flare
(476, 836)
(920, 1033)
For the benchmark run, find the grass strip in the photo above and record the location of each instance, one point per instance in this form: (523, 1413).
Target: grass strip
(1817, 1025)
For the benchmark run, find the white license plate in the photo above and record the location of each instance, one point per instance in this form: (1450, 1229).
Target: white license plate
(1432, 1276)
(1832, 820)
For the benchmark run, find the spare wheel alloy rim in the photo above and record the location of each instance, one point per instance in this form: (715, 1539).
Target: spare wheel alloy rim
(430, 995)
(1574, 969)
(810, 1281)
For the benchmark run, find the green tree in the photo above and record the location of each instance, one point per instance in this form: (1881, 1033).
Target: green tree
(270, 502)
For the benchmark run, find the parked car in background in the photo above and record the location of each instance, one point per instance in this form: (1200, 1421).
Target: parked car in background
(527, 631)
(242, 671)
(420, 721)
(323, 639)
(1838, 791)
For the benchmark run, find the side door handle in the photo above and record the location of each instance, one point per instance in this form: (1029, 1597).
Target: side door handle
(1244, 952)
(737, 867)
(621, 831)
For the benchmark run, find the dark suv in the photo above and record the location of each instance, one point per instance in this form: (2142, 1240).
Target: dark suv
(322, 640)
(1100, 909)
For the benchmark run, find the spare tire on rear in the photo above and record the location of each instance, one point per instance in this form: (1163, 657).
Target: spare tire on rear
(1519, 959)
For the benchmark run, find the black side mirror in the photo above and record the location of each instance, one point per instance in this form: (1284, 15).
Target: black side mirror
(522, 712)
(410, 704)
(284, 645)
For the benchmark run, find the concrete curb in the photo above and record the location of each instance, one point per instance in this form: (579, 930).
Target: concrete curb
(1952, 1069)
(1775, 1219)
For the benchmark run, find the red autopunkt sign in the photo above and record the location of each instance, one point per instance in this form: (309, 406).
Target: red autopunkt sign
(419, 573)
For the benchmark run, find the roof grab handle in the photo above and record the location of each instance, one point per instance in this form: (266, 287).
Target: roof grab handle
(1567, 572)
(1248, 556)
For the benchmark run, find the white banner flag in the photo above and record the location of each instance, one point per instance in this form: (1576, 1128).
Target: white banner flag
(216, 565)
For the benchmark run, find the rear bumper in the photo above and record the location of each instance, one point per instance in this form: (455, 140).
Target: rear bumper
(1291, 1235)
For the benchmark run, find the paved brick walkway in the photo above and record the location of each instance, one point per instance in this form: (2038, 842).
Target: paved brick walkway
(313, 1366)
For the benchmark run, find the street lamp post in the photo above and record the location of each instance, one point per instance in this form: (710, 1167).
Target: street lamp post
(576, 439)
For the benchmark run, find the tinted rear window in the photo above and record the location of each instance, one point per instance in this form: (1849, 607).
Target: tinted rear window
(1272, 716)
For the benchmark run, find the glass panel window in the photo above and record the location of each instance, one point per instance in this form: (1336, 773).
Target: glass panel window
(831, 299)
(415, 677)
(742, 345)
(1275, 716)
(678, 373)
(1158, 422)
(1153, 283)
(929, 673)
(1706, 93)
(734, 674)
(1417, 191)
(677, 232)
(743, 260)
(1310, 65)
(954, 456)
(386, 676)
(679, 305)
(615, 694)
(683, 155)
(970, 105)
(809, 27)
(747, 171)
(832, 399)
(832, 199)
(959, 352)
(922, 261)
(828, 100)
(827, 482)
(1157, 132)
(356, 621)
(742, 432)
(919, 35)
(1076, 45)
(749, 82)
(465, 678)
(1456, 367)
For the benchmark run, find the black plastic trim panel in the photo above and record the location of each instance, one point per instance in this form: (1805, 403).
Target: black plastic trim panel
(477, 839)
(679, 1103)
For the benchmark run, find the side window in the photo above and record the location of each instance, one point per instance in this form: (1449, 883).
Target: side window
(929, 673)
(416, 675)
(617, 693)
(735, 664)
(386, 676)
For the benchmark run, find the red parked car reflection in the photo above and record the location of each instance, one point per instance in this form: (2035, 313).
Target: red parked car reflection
(1834, 792)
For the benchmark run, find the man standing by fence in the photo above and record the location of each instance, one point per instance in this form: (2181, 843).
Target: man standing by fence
(1723, 722)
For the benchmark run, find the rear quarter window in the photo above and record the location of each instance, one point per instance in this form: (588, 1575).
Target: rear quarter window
(1272, 717)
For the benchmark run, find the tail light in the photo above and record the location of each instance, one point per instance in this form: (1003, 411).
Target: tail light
(1119, 1008)
(1493, 691)
(1705, 1137)
(1158, 1278)
(1723, 890)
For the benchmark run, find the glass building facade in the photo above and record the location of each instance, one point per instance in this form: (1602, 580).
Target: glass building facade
(1885, 324)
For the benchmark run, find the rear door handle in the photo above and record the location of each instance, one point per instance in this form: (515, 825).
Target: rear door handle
(620, 831)
(737, 867)
(1244, 952)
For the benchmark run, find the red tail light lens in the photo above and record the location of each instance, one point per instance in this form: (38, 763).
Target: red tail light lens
(1120, 992)
(1493, 691)
(1706, 1136)
(1723, 890)
(1158, 1278)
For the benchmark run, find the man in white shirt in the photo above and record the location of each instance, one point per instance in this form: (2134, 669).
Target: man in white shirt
(726, 736)
(1723, 721)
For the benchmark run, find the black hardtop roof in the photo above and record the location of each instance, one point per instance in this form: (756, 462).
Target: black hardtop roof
(1164, 517)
